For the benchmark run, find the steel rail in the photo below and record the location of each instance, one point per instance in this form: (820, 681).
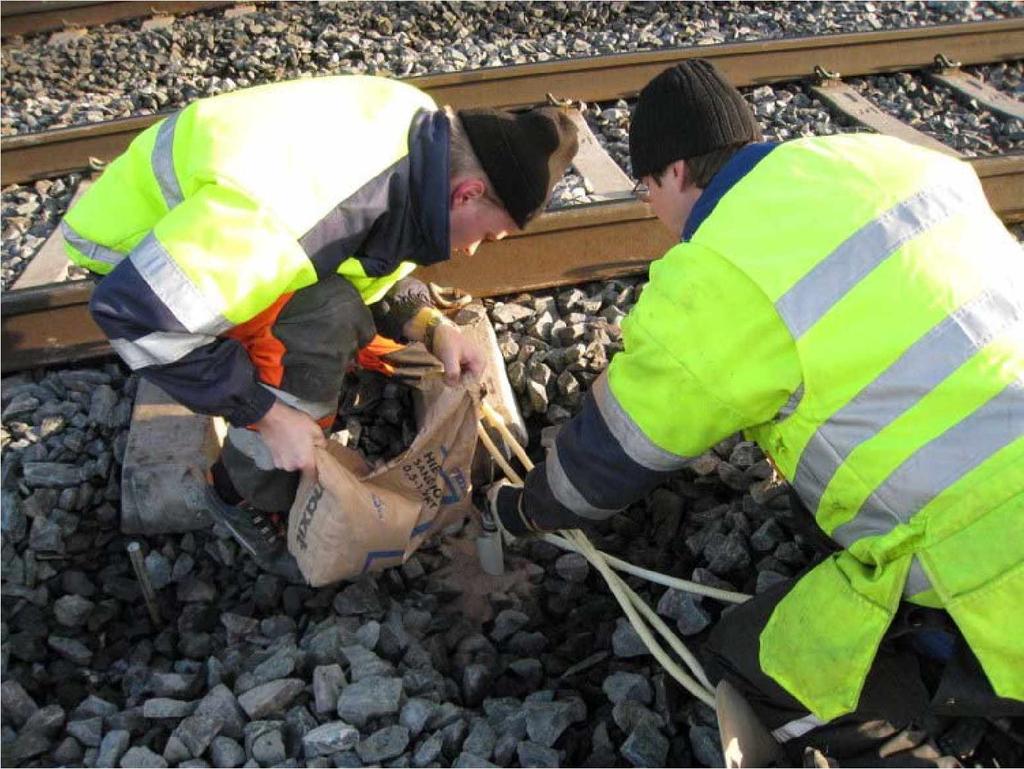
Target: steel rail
(1002, 178)
(607, 240)
(51, 324)
(30, 18)
(64, 150)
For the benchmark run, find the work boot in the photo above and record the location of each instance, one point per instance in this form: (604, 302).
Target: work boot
(261, 534)
(284, 566)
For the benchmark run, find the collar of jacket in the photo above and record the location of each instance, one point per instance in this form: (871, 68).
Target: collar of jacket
(399, 215)
(429, 184)
(738, 166)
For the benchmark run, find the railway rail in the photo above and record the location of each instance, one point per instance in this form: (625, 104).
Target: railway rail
(601, 78)
(30, 18)
(50, 324)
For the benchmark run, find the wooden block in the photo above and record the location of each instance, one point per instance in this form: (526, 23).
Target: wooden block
(169, 450)
(66, 35)
(50, 264)
(239, 10)
(605, 180)
(969, 87)
(157, 22)
(849, 102)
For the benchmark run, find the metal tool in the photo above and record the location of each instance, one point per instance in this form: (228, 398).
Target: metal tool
(489, 548)
(135, 554)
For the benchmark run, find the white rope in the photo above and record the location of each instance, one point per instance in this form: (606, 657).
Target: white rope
(637, 611)
(498, 422)
(621, 591)
(656, 577)
(498, 457)
(651, 616)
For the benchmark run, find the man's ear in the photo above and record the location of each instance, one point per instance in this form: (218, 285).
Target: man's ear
(466, 190)
(679, 175)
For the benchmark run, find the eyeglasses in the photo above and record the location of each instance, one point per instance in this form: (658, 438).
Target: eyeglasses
(641, 192)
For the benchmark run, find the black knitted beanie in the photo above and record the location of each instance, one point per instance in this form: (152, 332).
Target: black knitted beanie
(523, 154)
(688, 110)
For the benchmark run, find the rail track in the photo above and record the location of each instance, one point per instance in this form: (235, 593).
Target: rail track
(31, 18)
(601, 78)
(50, 324)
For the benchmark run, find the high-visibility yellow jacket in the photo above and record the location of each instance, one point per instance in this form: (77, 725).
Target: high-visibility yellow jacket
(216, 211)
(854, 304)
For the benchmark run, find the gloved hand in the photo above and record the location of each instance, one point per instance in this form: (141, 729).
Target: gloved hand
(504, 502)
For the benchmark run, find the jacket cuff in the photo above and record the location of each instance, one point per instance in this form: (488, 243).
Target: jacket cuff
(542, 509)
(399, 306)
(509, 512)
(252, 406)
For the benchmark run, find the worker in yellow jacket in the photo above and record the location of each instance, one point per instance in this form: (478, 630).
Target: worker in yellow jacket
(853, 304)
(252, 243)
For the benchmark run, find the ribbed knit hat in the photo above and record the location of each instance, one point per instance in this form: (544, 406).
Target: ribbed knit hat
(523, 154)
(688, 110)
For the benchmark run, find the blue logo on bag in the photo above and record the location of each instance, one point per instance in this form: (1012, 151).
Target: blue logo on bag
(455, 482)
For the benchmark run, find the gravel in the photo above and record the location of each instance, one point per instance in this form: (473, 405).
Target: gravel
(135, 695)
(389, 668)
(330, 738)
(622, 685)
(30, 213)
(377, 418)
(82, 78)
(1007, 77)
(204, 54)
(939, 112)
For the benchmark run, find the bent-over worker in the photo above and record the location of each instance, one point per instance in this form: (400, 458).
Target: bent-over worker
(852, 303)
(252, 243)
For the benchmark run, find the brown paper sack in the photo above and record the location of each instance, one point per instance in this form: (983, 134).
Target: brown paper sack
(354, 519)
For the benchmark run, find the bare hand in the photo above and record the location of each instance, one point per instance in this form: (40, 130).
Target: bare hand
(461, 358)
(291, 435)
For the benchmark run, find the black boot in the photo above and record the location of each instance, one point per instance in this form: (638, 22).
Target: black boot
(262, 535)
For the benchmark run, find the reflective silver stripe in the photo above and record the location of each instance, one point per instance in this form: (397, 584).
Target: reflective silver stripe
(93, 250)
(163, 162)
(831, 279)
(797, 728)
(921, 368)
(634, 443)
(917, 580)
(567, 494)
(790, 405)
(181, 296)
(939, 464)
(158, 348)
(316, 409)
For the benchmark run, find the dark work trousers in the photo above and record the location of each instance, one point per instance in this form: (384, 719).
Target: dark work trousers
(923, 673)
(300, 346)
